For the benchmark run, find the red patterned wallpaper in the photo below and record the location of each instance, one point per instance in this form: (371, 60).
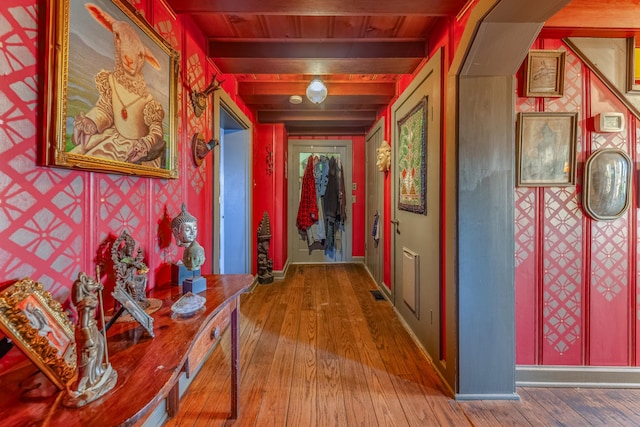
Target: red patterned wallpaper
(53, 222)
(575, 287)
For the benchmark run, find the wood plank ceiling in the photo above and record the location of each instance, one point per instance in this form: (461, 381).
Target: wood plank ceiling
(358, 47)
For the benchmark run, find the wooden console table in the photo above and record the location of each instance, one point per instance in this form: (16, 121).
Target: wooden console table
(148, 368)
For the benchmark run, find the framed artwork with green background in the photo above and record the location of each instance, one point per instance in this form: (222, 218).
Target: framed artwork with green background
(412, 160)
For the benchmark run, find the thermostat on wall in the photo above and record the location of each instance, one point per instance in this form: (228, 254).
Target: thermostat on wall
(609, 122)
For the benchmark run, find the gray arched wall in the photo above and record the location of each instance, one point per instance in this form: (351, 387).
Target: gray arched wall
(481, 119)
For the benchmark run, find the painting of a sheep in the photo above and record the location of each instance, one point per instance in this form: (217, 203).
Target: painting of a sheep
(126, 122)
(116, 97)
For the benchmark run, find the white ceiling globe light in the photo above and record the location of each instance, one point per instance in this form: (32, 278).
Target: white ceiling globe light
(316, 91)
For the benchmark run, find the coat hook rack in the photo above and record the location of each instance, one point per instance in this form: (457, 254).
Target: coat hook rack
(199, 99)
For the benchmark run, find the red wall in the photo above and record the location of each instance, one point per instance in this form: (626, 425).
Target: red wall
(270, 187)
(576, 278)
(55, 223)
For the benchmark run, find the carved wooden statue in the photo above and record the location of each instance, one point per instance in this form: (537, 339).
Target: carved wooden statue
(265, 264)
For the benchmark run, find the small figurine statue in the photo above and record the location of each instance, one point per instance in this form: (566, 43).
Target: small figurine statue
(193, 256)
(265, 265)
(95, 374)
(384, 156)
(131, 270)
(185, 230)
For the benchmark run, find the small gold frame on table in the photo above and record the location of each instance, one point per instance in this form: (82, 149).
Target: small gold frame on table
(36, 323)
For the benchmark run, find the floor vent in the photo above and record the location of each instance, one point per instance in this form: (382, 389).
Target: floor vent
(377, 295)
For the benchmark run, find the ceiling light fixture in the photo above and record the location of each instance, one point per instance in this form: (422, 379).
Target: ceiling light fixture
(295, 99)
(316, 91)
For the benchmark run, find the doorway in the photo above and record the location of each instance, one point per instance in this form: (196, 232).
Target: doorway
(299, 153)
(232, 191)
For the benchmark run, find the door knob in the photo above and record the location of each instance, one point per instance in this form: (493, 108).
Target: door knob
(397, 224)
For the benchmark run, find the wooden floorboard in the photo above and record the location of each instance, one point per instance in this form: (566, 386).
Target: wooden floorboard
(318, 350)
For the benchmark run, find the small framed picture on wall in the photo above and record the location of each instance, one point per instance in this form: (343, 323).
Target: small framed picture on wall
(545, 73)
(546, 150)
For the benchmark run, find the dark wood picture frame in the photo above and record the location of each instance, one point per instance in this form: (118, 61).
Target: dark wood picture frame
(633, 69)
(545, 73)
(546, 149)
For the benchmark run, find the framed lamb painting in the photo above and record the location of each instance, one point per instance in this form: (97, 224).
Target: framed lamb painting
(110, 91)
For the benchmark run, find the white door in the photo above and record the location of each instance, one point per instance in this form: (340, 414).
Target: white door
(299, 152)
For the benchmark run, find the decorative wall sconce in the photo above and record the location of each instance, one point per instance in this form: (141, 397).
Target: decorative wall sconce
(199, 99)
(316, 91)
(200, 148)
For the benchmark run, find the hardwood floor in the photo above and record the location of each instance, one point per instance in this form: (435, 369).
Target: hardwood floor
(318, 350)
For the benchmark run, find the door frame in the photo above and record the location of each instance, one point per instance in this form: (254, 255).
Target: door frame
(371, 150)
(434, 345)
(221, 100)
(293, 145)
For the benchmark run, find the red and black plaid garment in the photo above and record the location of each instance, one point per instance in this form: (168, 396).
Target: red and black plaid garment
(308, 209)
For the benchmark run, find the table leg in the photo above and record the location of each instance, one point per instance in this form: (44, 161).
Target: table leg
(235, 360)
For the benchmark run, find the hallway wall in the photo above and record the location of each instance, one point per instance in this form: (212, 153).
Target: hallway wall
(55, 222)
(270, 157)
(576, 278)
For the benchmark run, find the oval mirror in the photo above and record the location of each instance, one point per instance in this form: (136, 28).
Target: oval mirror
(607, 183)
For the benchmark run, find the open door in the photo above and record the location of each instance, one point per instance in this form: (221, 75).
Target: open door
(299, 152)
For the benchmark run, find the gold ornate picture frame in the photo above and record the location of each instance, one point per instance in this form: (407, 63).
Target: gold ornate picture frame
(38, 326)
(103, 112)
(545, 73)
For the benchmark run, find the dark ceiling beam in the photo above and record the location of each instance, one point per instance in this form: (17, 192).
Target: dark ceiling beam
(349, 101)
(317, 66)
(316, 49)
(326, 131)
(278, 116)
(317, 7)
(374, 89)
(281, 103)
(319, 124)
